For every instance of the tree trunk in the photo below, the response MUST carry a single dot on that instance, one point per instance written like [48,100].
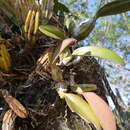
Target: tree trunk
[46,110]
[35,89]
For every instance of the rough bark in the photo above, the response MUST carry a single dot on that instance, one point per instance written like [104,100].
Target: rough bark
[36,90]
[46,110]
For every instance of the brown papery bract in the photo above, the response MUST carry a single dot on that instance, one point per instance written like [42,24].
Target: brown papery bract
[101,110]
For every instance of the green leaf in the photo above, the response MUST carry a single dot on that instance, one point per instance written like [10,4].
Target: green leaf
[31,1]
[52,31]
[82,108]
[60,6]
[82,28]
[99,52]
[85,29]
[63,7]
[114,7]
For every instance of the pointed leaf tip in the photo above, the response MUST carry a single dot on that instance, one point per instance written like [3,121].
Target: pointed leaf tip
[82,108]
[62,47]
[101,110]
[52,31]
[114,7]
[98,52]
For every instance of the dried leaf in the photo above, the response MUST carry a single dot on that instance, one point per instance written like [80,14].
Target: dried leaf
[43,62]
[101,110]
[8,120]
[62,47]
[43,58]
[27,21]
[5,42]
[56,73]
[82,108]
[5,59]
[36,24]
[15,105]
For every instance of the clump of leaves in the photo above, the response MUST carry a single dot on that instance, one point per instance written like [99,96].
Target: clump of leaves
[31,17]
[86,109]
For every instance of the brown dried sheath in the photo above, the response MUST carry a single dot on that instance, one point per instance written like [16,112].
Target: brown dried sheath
[27,21]
[36,21]
[8,120]
[15,105]
[32,20]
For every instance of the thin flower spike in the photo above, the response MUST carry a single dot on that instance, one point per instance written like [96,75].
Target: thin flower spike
[31,24]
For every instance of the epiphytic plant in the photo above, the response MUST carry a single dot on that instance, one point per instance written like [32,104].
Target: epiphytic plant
[39,12]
